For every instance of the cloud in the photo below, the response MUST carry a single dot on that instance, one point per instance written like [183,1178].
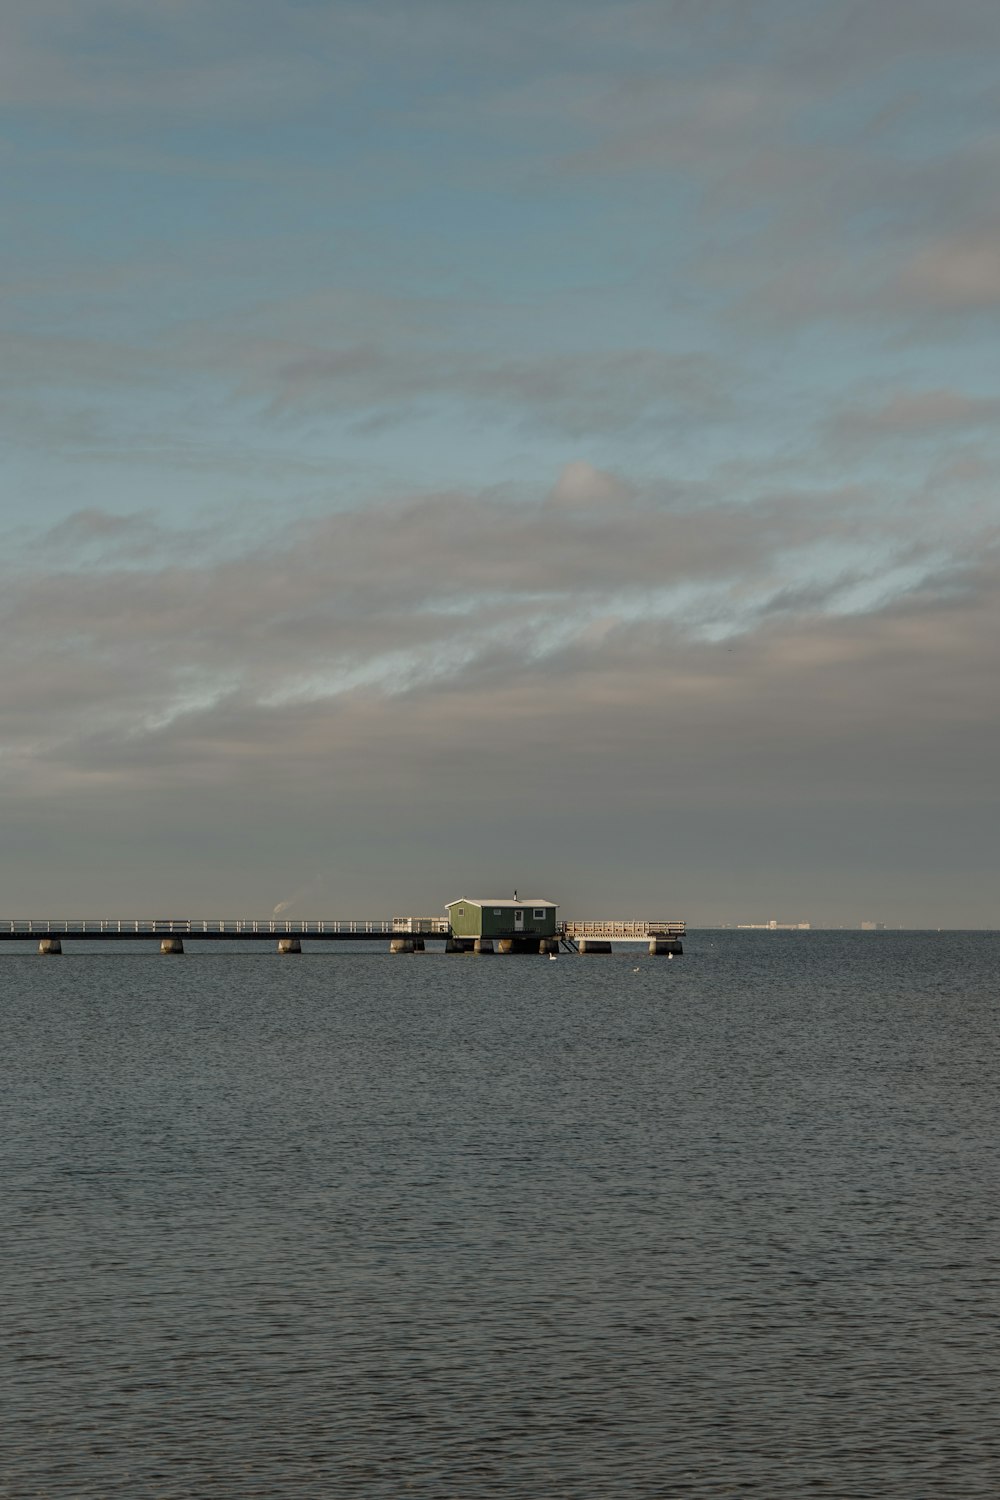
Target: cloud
[399,684]
[103,57]
[581,485]
[918,413]
[590,391]
[958,273]
[123,660]
[104,394]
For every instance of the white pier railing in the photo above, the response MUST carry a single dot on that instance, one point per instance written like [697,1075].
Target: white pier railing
[625,932]
[181,926]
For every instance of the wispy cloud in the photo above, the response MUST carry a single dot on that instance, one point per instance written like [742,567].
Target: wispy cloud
[599,588]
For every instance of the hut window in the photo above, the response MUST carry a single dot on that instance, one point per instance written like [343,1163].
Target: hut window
[539,911]
[498,911]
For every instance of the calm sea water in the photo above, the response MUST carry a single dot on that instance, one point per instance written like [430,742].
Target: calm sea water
[350,1224]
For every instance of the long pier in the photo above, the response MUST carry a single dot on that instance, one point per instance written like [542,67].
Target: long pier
[403,934]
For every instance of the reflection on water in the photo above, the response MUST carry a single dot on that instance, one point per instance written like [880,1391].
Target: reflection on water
[452,1227]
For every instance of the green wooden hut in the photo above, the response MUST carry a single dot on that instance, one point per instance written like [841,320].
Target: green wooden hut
[496,917]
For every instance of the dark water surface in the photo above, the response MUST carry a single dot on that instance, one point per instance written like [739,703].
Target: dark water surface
[348,1224]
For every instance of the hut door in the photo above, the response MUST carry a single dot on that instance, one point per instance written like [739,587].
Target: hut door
[518,919]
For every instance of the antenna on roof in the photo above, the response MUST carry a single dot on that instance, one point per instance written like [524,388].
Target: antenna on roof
[515,895]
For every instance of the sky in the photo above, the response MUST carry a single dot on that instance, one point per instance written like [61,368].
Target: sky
[450,446]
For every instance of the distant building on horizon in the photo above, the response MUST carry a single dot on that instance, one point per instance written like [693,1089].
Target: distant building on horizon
[873,927]
[773,926]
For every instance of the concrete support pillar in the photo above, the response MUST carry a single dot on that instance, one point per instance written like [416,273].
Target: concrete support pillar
[454,945]
[419,946]
[49,945]
[483,945]
[401,945]
[171,945]
[289,945]
[658,946]
[506,945]
[548,945]
[595,945]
